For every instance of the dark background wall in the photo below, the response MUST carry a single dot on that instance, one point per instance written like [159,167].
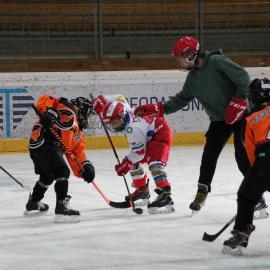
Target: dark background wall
[115,35]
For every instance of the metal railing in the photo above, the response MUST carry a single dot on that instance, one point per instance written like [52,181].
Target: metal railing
[131,29]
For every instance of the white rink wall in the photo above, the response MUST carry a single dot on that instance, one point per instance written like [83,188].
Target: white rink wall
[19,90]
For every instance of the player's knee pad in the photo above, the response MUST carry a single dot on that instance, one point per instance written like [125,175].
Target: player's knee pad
[246,203]
[248,191]
[63,172]
[138,176]
[157,171]
[46,180]
[61,182]
[61,187]
[137,170]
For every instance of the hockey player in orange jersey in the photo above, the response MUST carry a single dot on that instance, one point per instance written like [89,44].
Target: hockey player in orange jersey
[68,118]
[257,180]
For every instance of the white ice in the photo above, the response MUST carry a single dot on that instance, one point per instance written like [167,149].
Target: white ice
[109,238]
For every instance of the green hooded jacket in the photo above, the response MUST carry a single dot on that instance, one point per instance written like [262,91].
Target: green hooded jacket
[214,84]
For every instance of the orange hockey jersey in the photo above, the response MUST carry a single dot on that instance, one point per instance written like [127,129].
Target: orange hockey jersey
[257,131]
[67,127]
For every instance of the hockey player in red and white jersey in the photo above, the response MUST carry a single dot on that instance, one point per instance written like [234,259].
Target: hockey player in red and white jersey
[150,141]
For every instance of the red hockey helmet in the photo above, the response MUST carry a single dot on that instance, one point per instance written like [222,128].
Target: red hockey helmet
[115,115]
[185,46]
[113,110]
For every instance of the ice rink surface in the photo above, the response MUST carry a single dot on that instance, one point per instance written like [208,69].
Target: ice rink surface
[109,238]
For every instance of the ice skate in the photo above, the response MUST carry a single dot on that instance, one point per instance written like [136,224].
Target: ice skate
[238,241]
[140,196]
[163,203]
[261,209]
[35,207]
[200,198]
[64,213]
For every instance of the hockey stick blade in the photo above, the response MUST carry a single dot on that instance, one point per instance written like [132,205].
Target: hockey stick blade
[26,187]
[138,211]
[212,237]
[124,204]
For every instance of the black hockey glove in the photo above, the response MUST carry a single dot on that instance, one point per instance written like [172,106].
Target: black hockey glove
[89,171]
[49,118]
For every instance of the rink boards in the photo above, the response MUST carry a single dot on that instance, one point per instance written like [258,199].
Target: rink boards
[19,91]
[101,142]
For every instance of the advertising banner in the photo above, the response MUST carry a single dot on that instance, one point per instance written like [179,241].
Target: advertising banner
[19,91]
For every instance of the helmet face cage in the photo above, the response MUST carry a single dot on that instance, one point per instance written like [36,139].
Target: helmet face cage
[120,126]
[85,109]
[259,92]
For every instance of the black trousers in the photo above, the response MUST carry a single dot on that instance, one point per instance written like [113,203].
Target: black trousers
[50,165]
[256,182]
[216,137]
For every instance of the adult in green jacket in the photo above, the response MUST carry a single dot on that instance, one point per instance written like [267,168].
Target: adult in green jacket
[221,87]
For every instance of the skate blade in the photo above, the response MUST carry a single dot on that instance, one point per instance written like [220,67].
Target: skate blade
[66,219]
[34,213]
[161,210]
[261,214]
[238,251]
[142,202]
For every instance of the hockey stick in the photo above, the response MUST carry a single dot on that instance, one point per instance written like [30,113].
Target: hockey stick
[74,158]
[16,180]
[212,237]
[138,211]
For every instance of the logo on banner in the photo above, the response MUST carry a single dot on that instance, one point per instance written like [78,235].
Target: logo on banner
[14,105]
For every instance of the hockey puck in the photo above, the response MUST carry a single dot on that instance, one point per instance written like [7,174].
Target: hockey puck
[138,211]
